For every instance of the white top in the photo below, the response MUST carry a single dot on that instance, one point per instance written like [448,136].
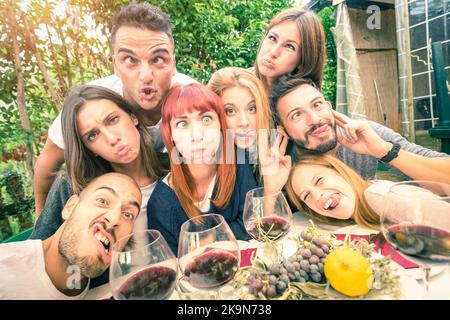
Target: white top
[23,275]
[114,83]
[141,222]
[205,204]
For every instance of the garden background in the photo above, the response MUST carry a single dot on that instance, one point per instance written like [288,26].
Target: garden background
[49,46]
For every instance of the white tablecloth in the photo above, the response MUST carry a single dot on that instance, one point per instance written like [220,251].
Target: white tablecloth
[439,281]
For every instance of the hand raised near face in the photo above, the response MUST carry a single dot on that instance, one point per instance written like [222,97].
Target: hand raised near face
[275,165]
[359,137]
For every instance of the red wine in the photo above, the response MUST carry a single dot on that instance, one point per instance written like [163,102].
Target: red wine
[272,228]
[421,240]
[211,269]
[153,283]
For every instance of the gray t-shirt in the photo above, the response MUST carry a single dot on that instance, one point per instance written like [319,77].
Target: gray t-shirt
[367,165]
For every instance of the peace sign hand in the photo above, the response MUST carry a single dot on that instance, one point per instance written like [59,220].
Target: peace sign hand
[275,165]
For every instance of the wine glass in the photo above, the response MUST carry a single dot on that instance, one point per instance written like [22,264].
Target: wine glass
[267,218]
[143,267]
[208,253]
[416,222]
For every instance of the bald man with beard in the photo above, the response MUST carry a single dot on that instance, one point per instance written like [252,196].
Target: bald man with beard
[60,267]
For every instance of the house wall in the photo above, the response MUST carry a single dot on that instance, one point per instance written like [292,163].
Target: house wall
[377,56]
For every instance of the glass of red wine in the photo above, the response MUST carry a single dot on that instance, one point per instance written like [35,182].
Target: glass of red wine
[267,219]
[416,222]
[208,254]
[143,267]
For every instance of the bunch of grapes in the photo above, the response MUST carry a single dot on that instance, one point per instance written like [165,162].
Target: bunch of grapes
[311,256]
[306,265]
[274,281]
[262,283]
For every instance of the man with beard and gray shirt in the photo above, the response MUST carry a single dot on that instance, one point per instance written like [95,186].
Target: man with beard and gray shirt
[313,126]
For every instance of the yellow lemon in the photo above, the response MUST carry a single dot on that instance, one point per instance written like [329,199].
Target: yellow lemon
[348,272]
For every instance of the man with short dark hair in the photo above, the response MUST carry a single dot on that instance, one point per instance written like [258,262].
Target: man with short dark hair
[311,124]
[145,69]
[60,267]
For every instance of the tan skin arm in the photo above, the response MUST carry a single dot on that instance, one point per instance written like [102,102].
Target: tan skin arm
[362,139]
[423,168]
[48,162]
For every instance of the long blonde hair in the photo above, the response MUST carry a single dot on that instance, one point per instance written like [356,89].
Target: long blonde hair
[363,214]
[231,77]
[312,44]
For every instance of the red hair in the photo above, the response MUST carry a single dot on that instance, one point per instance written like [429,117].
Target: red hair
[187,99]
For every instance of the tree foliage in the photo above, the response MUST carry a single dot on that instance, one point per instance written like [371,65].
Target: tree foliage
[71,37]
[326,15]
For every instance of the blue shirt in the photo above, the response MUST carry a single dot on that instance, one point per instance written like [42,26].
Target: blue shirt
[166,214]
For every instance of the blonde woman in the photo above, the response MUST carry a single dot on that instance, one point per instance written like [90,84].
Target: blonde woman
[247,111]
[330,191]
[327,189]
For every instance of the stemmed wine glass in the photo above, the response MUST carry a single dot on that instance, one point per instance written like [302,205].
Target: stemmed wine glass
[267,218]
[143,267]
[208,253]
[416,222]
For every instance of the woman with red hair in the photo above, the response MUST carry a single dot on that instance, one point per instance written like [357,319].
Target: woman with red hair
[204,177]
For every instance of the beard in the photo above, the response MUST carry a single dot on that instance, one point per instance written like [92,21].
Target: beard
[68,247]
[321,148]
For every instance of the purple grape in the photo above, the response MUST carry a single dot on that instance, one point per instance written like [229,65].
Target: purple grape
[320,265]
[304,264]
[316,277]
[313,268]
[271,291]
[305,236]
[316,241]
[314,259]
[284,278]
[290,268]
[281,286]
[306,253]
[274,269]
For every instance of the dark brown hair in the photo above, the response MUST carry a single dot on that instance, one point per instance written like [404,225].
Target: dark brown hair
[82,165]
[312,44]
[142,16]
[284,85]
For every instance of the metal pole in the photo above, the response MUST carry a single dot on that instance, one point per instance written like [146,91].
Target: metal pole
[412,129]
[440,79]
[442,130]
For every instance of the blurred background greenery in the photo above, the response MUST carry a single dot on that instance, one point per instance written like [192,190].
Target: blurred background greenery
[66,43]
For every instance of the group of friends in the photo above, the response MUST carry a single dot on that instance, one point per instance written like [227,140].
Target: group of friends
[150,148]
